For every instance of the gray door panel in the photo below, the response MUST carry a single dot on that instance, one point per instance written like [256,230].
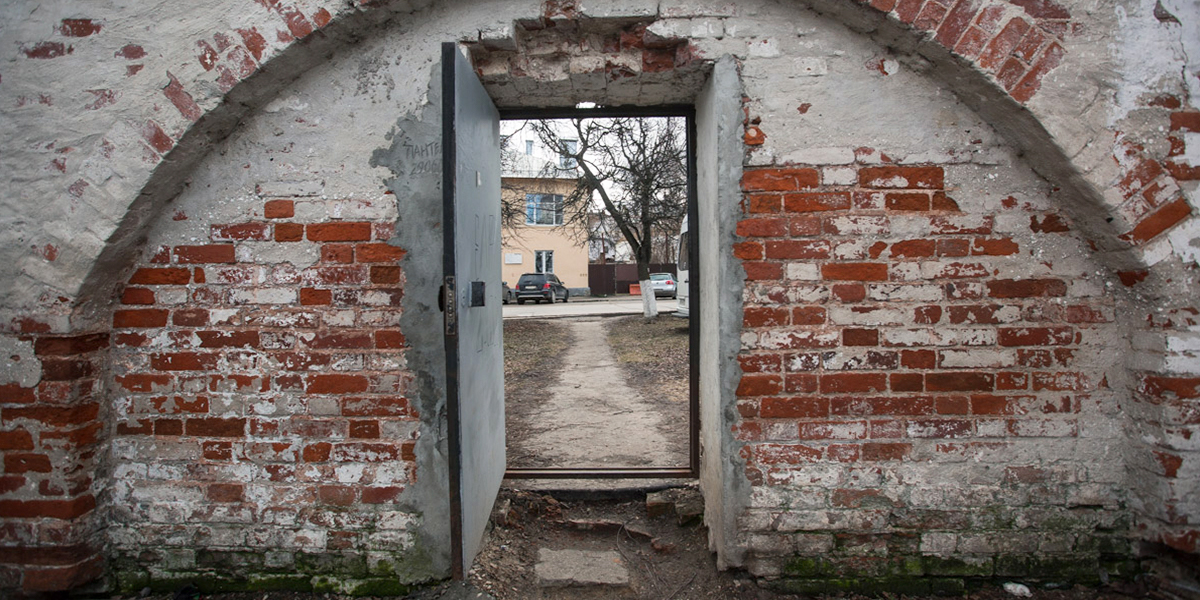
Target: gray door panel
[474,352]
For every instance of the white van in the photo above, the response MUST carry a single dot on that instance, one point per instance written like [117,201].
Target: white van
[681,271]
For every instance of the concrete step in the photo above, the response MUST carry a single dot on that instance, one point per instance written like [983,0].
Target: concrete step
[580,568]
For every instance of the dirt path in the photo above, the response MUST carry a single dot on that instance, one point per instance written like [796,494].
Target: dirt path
[590,416]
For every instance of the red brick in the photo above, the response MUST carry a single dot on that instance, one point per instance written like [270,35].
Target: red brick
[748,251]
[764,203]
[16,463]
[953,248]
[216,427]
[792,408]
[364,429]
[760,385]
[913,249]
[760,271]
[960,382]
[907,201]
[389,339]
[289,232]
[808,315]
[12,393]
[927,315]
[849,293]
[70,345]
[239,232]
[971,43]
[764,316]
[211,253]
[318,452]
[1159,221]
[164,276]
[907,10]
[228,339]
[762,227]
[854,271]
[368,253]
[54,509]
[891,177]
[325,340]
[1032,81]
[1009,380]
[860,337]
[907,382]
[338,232]
[173,427]
[315,297]
[804,225]
[190,317]
[1026,288]
[380,495]
[279,209]
[338,495]
[1011,73]
[224,492]
[337,253]
[16,439]
[772,454]
[802,203]
[376,406]
[337,384]
[756,363]
[956,22]
[994,247]
[1003,44]
[834,383]
[152,317]
[384,275]
[1164,387]
[874,451]
[779,180]
[930,16]
[137,296]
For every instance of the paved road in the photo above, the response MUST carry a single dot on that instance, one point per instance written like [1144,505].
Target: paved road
[580,307]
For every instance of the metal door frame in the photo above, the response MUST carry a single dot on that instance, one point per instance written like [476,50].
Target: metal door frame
[692,471]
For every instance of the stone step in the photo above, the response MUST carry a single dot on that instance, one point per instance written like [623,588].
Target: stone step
[580,568]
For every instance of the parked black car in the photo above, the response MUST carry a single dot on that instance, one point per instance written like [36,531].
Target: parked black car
[509,293]
[541,286]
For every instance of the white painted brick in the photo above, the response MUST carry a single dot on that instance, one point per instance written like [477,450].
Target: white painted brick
[763,47]
[911,293]
[941,544]
[802,271]
[981,336]
[978,358]
[380,209]
[869,315]
[339,318]
[906,337]
[841,176]
[822,156]
[313,211]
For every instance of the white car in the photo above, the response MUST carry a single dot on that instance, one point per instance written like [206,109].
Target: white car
[663,284]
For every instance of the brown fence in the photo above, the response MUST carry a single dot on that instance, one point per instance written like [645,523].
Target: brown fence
[606,280]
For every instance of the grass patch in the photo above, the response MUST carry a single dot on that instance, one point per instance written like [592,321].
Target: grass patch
[654,354]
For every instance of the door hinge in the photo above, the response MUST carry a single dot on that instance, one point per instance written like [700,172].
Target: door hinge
[449,300]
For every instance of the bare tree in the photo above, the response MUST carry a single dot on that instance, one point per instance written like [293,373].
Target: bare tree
[636,169]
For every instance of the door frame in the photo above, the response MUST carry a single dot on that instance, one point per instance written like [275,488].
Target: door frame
[692,470]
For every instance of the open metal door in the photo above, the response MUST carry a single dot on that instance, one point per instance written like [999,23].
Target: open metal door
[472,297]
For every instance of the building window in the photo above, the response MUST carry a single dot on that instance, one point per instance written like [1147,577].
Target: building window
[543,209]
[529,147]
[568,162]
[543,261]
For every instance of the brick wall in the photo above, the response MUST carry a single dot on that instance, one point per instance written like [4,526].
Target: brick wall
[263,403]
[924,393]
[50,440]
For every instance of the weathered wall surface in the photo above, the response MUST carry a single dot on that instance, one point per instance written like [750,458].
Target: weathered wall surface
[967,234]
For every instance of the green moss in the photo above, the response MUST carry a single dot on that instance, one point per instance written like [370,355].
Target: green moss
[936,565]
[803,566]
[273,583]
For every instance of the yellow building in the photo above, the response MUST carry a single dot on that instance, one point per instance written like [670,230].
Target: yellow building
[543,243]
